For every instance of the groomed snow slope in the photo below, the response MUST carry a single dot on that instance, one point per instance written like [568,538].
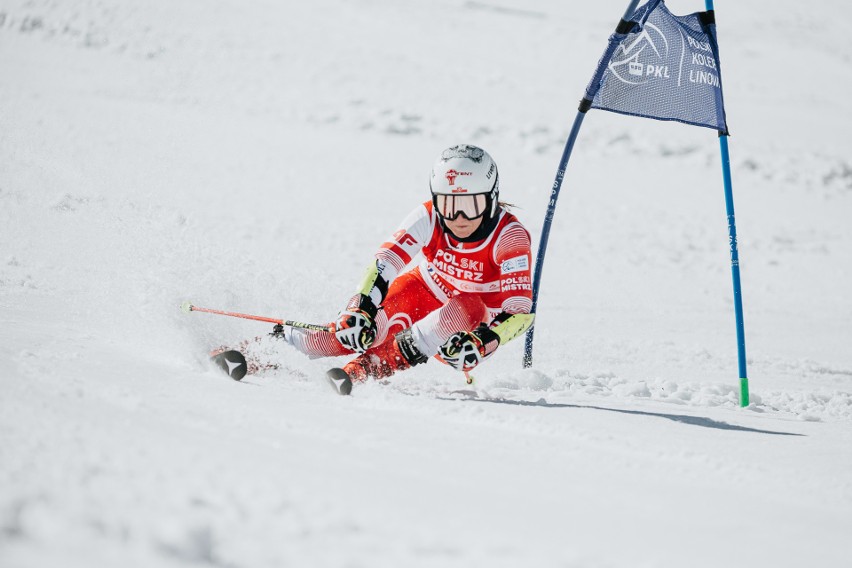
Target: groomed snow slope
[251,156]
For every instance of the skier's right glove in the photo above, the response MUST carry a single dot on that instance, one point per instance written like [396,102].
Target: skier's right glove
[466,349]
[355,327]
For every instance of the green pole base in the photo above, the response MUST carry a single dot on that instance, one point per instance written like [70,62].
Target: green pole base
[743,392]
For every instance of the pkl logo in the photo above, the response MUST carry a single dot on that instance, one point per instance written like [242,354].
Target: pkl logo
[645,57]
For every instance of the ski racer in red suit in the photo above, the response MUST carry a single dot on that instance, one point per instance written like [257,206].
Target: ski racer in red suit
[471,293]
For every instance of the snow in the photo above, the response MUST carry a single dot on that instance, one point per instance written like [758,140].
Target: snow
[251,156]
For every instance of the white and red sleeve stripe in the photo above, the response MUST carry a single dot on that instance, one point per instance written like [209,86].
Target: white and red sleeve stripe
[517,305]
[513,241]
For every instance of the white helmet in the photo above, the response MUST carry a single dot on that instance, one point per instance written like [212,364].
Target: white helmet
[465,182]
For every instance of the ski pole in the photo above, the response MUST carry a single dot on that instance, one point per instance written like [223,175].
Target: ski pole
[187,307]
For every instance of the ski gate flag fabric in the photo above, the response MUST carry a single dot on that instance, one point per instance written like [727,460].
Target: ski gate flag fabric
[664,67]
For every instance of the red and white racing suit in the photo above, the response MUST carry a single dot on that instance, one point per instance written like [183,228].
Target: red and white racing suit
[453,288]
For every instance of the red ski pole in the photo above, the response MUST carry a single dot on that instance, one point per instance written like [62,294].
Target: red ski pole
[188,307]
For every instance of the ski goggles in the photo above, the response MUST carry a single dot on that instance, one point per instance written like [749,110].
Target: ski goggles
[469,206]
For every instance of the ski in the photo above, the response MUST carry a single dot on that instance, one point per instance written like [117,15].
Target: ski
[339,381]
[256,359]
[233,363]
[237,366]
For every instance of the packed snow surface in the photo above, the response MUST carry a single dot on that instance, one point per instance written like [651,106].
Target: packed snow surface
[251,156]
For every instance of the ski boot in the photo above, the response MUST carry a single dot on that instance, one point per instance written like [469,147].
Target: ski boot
[379,362]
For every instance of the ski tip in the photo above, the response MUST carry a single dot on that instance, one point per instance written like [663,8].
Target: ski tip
[186,307]
[233,363]
[340,381]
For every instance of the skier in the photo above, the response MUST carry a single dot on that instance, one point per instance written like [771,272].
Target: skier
[471,293]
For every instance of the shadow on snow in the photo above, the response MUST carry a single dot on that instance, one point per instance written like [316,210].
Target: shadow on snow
[691,420]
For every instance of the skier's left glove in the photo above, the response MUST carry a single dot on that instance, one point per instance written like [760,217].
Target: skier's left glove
[466,349]
[355,327]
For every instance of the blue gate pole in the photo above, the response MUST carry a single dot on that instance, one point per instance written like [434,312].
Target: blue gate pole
[735,258]
[545,230]
[735,268]
[585,104]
